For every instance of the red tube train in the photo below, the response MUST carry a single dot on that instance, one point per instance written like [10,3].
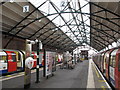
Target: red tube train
[109,64]
[14,60]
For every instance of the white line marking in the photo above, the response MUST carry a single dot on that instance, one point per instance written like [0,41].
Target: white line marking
[90,82]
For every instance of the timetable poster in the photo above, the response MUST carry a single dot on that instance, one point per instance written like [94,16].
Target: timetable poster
[49,61]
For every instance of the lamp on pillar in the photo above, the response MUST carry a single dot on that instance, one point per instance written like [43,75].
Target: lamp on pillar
[39,48]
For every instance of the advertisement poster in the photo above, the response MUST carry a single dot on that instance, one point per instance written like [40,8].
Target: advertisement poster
[50,56]
[40,58]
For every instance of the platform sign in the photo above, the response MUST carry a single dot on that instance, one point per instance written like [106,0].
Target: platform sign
[49,62]
[26,8]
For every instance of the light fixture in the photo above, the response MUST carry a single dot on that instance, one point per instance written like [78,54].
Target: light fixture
[11,1]
[36,40]
[39,20]
[56,28]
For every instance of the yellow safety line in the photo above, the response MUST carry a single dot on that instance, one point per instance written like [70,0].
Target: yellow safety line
[96,72]
[8,75]
[103,88]
[102,80]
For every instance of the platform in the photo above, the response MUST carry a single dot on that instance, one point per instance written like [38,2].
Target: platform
[84,75]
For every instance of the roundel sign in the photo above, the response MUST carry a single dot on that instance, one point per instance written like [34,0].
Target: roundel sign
[29,62]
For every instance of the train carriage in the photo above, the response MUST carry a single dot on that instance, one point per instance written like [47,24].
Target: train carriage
[14,60]
[114,68]
[109,64]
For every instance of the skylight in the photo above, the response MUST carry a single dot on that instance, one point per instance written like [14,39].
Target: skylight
[66,14]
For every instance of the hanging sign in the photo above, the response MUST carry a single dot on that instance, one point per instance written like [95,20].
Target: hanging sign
[26,8]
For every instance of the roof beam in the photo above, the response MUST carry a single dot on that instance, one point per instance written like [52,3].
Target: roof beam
[26,17]
[75,21]
[104,25]
[63,20]
[104,9]
[82,17]
[104,33]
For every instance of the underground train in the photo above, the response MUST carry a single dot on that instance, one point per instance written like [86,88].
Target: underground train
[14,60]
[109,64]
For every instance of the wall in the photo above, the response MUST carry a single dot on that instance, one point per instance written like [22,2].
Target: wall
[16,43]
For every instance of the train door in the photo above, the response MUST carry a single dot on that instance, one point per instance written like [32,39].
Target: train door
[22,53]
[102,58]
[99,60]
[107,63]
[12,64]
[112,67]
[21,58]
[104,63]
[117,70]
[18,60]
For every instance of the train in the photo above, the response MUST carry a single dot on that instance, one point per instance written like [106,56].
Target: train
[108,63]
[13,61]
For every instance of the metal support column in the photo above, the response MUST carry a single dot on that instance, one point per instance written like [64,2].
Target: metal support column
[44,67]
[37,68]
[39,48]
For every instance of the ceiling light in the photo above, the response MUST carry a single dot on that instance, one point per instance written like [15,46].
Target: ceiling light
[39,20]
[11,1]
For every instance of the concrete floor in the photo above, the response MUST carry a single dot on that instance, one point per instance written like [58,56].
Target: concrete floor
[78,77]
[63,78]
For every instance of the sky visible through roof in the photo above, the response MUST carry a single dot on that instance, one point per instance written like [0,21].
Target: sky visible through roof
[76,35]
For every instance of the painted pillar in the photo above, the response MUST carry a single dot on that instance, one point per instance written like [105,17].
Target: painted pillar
[27,75]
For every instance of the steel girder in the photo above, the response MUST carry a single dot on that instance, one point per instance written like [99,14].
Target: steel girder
[64,20]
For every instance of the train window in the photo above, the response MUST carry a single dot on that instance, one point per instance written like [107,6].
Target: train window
[111,61]
[114,61]
[13,57]
[3,59]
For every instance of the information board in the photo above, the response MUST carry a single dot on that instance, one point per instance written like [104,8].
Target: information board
[49,62]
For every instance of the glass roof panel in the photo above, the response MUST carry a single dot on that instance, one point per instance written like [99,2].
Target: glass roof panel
[67,16]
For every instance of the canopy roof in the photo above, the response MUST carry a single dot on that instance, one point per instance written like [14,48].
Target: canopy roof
[68,32]
[105,23]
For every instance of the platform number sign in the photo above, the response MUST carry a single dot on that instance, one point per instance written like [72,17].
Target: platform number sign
[26,8]
[63,3]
